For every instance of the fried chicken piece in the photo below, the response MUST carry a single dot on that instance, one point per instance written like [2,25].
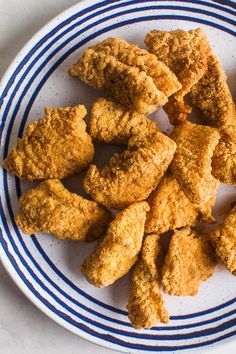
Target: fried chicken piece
[224,159]
[118,250]
[224,241]
[112,123]
[52,209]
[185,53]
[190,260]
[127,85]
[130,54]
[146,305]
[56,146]
[170,208]
[177,110]
[131,176]
[212,96]
[191,165]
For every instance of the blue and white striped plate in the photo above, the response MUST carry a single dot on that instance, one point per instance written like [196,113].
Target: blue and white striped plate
[47,270]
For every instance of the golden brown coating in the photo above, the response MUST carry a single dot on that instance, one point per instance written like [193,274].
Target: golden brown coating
[224,241]
[118,250]
[131,176]
[146,305]
[177,110]
[185,53]
[112,123]
[170,208]
[212,96]
[56,146]
[191,164]
[127,85]
[130,54]
[52,209]
[224,159]
[190,260]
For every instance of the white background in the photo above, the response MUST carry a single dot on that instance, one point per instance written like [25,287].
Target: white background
[23,328]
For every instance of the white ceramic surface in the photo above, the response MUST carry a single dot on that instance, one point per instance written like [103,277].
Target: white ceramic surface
[46,269]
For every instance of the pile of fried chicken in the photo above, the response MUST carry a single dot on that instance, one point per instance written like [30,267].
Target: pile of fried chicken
[158,184]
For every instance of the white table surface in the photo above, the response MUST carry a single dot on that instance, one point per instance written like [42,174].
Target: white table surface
[23,328]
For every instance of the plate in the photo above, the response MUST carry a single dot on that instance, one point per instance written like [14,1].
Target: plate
[48,270]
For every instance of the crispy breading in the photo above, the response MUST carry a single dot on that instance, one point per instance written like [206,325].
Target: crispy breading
[190,260]
[112,123]
[177,110]
[185,53]
[131,176]
[56,146]
[191,164]
[224,159]
[52,209]
[170,208]
[127,85]
[118,250]
[224,241]
[212,96]
[130,54]
[146,306]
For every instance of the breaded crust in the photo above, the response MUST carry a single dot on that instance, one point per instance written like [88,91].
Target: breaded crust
[185,53]
[112,123]
[170,208]
[224,241]
[130,54]
[56,146]
[52,209]
[224,159]
[131,176]
[190,260]
[127,85]
[212,96]
[146,305]
[118,250]
[191,164]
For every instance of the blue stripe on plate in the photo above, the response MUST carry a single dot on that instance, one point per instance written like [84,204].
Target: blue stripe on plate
[202,3]
[226,3]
